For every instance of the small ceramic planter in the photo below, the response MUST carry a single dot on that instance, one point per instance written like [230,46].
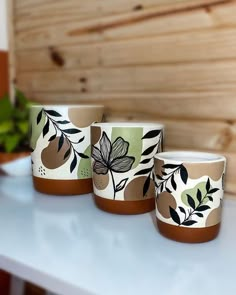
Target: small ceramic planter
[189,195]
[61,147]
[122,164]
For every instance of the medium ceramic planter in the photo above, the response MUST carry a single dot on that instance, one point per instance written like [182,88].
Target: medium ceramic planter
[189,195]
[122,163]
[61,147]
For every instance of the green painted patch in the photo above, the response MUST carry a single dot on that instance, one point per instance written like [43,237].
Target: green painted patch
[36,129]
[133,136]
[193,193]
[84,170]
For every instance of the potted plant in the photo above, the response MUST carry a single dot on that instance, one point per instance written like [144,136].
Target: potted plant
[14,134]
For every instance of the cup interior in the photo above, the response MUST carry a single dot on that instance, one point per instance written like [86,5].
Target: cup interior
[129,124]
[190,157]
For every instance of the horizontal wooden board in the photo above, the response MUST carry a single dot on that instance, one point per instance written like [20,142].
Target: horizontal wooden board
[185,105]
[40,13]
[215,76]
[204,46]
[133,24]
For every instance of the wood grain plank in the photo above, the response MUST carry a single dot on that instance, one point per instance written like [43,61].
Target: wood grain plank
[215,76]
[182,134]
[131,25]
[184,47]
[185,105]
[51,12]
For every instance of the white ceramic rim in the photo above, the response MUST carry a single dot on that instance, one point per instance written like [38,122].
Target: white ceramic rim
[190,157]
[67,105]
[129,124]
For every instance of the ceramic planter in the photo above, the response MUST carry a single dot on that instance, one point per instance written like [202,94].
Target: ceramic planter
[61,147]
[122,164]
[189,195]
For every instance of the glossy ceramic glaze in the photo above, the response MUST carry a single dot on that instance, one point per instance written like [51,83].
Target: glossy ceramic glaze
[122,165]
[61,149]
[190,188]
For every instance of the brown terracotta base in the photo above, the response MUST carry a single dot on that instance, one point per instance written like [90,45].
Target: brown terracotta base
[125,207]
[188,235]
[63,187]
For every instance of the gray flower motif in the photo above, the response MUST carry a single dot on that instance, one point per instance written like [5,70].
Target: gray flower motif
[112,157]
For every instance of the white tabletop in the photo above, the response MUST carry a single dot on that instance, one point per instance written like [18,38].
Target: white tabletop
[68,246]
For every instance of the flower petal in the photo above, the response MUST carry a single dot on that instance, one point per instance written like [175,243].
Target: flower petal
[96,154]
[99,168]
[122,164]
[119,148]
[105,147]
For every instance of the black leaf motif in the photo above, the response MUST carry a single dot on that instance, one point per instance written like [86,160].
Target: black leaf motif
[199,195]
[199,214]
[63,122]
[184,174]
[73,164]
[203,208]
[168,190]
[181,209]
[213,190]
[164,173]
[208,185]
[145,161]
[174,215]
[144,171]
[151,134]
[39,117]
[149,150]
[71,131]
[67,153]
[159,177]
[121,184]
[170,166]
[173,183]
[83,156]
[53,113]
[81,139]
[210,198]
[189,222]
[162,187]
[60,143]
[52,137]
[46,128]
[191,202]
[146,185]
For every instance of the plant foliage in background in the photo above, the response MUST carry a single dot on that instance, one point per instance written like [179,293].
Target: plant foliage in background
[14,123]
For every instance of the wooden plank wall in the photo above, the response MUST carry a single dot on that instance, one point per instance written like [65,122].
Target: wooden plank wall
[172,61]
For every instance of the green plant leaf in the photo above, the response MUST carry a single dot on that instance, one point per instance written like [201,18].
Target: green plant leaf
[6,127]
[11,142]
[23,126]
[6,109]
[21,98]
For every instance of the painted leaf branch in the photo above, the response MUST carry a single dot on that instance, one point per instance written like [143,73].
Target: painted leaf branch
[63,133]
[196,208]
[166,181]
[149,152]
[112,157]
